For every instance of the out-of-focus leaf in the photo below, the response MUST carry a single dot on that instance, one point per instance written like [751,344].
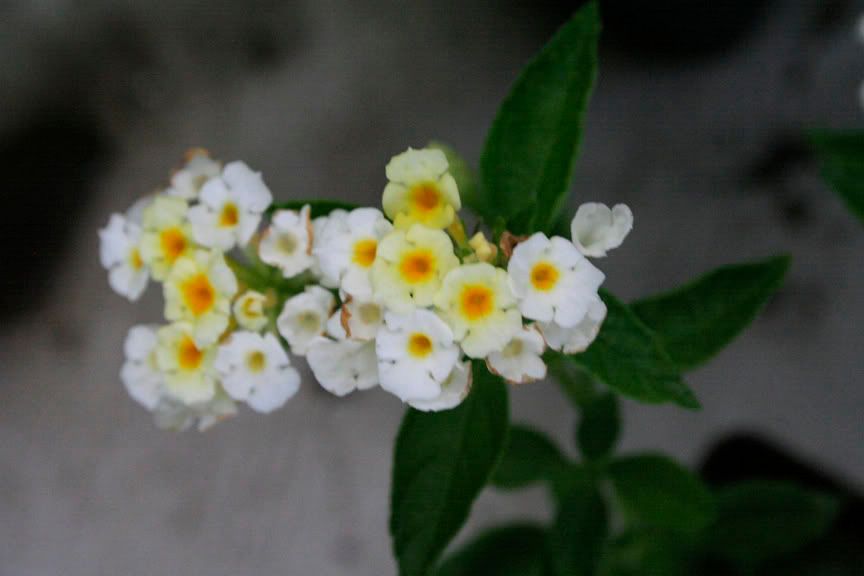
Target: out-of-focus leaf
[699,319]
[760,521]
[656,492]
[530,457]
[842,156]
[442,461]
[581,525]
[531,149]
[599,427]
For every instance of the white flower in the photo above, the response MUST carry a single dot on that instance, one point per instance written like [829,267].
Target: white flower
[190,377]
[345,254]
[166,235]
[421,190]
[256,370]
[199,168]
[199,291]
[287,243]
[323,228]
[120,254]
[230,208]
[342,366]
[552,280]
[453,390]
[596,229]
[140,373]
[250,310]
[478,304]
[578,338]
[361,319]
[304,317]
[416,353]
[520,360]
[410,266]
[173,415]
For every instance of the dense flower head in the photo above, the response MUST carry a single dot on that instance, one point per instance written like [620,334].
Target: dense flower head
[400,298]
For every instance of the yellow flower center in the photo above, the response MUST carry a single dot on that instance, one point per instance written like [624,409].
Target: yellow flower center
[286,243]
[173,243]
[417,266]
[544,276]
[189,357]
[425,197]
[135,260]
[198,294]
[309,321]
[229,216]
[369,313]
[364,252]
[513,349]
[419,345]
[477,301]
[256,361]
[252,307]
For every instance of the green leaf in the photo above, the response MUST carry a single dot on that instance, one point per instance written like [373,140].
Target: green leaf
[759,521]
[530,457]
[699,319]
[516,550]
[528,159]
[442,461]
[646,552]
[629,358]
[581,525]
[656,492]
[461,171]
[842,156]
[316,207]
[599,427]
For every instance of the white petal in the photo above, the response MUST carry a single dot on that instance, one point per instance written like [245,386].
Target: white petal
[454,390]
[595,228]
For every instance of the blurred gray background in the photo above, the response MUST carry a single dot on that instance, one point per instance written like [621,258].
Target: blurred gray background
[696,123]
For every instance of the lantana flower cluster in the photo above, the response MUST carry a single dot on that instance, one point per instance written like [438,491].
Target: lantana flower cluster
[399,298]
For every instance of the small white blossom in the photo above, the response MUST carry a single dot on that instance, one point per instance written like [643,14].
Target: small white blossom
[120,254]
[199,291]
[255,369]
[140,373]
[453,390]
[596,229]
[323,228]
[199,168]
[250,310]
[360,318]
[345,253]
[230,208]
[420,190]
[304,317]
[173,415]
[342,366]
[190,377]
[577,338]
[416,353]
[410,267]
[520,360]
[552,280]
[166,235]
[478,304]
[287,242]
